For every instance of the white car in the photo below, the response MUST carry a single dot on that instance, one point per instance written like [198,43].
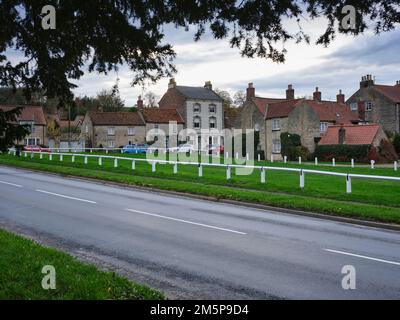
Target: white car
[184,148]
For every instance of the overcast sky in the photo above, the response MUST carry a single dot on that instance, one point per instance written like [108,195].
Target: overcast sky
[340,66]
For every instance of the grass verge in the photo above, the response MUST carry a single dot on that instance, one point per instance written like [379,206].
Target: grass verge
[21,275]
[346,206]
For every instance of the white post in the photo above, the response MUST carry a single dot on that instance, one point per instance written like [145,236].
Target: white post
[333,162]
[272,158]
[258,157]
[100,161]
[25,154]
[91,150]
[316,161]
[15,152]
[175,167]
[299,160]
[228,172]
[352,163]
[237,155]
[262,175]
[133,164]
[61,157]
[50,157]
[372,164]
[301,179]
[115,163]
[32,154]
[106,151]
[85,160]
[153,166]
[247,156]
[73,158]
[200,170]
[227,155]
[122,151]
[395,166]
[348,184]
[284,159]
[41,156]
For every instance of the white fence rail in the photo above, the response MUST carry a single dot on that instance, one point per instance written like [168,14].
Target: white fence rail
[263,169]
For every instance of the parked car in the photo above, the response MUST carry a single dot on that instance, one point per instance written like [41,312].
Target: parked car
[184,148]
[215,149]
[36,148]
[135,148]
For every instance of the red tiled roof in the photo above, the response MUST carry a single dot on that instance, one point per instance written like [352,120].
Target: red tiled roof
[329,111]
[354,134]
[164,115]
[116,118]
[29,113]
[391,92]
[262,103]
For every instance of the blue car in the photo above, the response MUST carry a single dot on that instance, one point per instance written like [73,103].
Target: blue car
[135,148]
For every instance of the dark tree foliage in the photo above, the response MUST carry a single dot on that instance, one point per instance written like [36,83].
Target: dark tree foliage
[10,130]
[104,34]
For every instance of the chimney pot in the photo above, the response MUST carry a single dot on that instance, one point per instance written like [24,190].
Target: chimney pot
[317,95]
[340,98]
[250,91]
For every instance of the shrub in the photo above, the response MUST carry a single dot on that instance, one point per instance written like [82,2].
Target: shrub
[396,143]
[342,152]
[292,148]
[387,152]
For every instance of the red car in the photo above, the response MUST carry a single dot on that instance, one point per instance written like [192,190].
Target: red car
[36,148]
[215,149]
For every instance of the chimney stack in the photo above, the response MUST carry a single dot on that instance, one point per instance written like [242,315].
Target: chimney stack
[398,83]
[317,95]
[340,98]
[208,85]
[139,103]
[367,81]
[290,92]
[250,91]
[342,135]
[172,83]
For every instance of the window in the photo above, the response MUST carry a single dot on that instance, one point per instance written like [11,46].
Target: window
[276,146]
[276,124]
[111,144]
[196,108]
[213,122]
[111,131]
[368,106]
[323,126]
[131,131]
[354,106]
[212,108]
[196,122]
[32,141]
[29,125]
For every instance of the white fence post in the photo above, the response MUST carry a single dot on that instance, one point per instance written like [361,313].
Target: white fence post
[226,155]
[153,166]
[237,155]
[115,163]
[73,158]
[86,160]
[50,157]
[262,175]
[316,161]
[41,156]
[15,152]
[228,172]
[175,167]
[106,151]
[133,164]
[91,150]
[348,184]
[299,160]
[333,162]
[25,154]
[100,161]
[352,163]
[272,158]
[395,166]
[258,157]
[372,164]
[301,179]
[284,159]
[200,170]
[61,157]
[247,156]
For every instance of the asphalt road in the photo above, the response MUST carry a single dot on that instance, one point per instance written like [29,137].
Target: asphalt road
[201,249]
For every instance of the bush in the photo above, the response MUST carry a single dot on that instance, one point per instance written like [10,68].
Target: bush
[387,152]
[342,152]
[396,143]
[292,148]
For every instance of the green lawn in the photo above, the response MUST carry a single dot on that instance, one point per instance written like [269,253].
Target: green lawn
[371,199]
[21,263]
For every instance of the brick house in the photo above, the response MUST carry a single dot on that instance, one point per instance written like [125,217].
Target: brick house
[160,119]
[371,134]
[308,118]
[254,109]
[378,103]
[200,107]
[112,129]
[34,117]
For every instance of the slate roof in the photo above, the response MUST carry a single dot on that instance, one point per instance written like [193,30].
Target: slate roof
[116,118]
[354,134]
[199,93]
[164,115]
[391,92]
[29,113]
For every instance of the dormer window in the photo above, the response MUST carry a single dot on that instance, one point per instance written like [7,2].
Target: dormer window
[212,108]
[196,108]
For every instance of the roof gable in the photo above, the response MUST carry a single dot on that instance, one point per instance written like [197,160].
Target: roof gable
[29,113]
[261,103]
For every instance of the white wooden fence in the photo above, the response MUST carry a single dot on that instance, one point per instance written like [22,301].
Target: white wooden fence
[262,169]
